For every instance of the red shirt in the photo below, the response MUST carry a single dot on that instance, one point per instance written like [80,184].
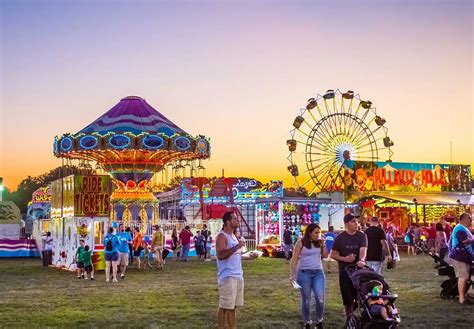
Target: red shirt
[447,230]
[431,233]
[185,236]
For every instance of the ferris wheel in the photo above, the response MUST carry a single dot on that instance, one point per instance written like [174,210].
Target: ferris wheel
[334,128]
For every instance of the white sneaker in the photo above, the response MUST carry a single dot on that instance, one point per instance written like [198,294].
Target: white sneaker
[114,280]
[107,280]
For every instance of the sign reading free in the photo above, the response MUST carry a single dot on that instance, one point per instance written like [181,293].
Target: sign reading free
[92,196]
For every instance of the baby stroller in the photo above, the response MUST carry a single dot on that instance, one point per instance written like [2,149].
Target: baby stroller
[371,311]
[449,287]
[421,247]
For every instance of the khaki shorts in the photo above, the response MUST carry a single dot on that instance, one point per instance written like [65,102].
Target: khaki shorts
[231,293]
[122,259]
[461,269]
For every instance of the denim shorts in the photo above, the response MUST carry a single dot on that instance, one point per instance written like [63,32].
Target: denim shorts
[111,257]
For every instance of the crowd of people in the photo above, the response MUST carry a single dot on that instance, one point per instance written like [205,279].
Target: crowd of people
[368,247]
[432,238]
[311,256]
[122,248]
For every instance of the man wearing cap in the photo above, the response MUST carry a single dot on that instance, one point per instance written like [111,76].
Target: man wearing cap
[377,246]
[350,247]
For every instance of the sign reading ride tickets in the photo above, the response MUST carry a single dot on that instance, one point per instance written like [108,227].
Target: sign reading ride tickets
[92,196]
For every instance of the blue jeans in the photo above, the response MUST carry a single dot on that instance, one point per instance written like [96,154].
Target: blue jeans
[376,266]
[312,280]
[184,251]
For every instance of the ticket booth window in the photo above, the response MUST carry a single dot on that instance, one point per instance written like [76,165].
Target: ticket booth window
[98,233]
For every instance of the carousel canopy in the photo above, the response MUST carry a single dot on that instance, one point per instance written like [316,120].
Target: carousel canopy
[133,114]
[132,141]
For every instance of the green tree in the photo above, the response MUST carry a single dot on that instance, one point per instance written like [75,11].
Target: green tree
[27,186]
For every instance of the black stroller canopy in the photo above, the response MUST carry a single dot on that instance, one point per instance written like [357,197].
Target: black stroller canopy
[361,276]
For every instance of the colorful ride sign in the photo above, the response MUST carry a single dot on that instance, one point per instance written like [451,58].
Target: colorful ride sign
[81,196]
[366,177]
[91,196]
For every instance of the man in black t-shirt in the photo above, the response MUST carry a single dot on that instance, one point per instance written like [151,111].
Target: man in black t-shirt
[377,246]
[350,247]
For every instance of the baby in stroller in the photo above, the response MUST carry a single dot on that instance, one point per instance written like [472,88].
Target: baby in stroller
[376,303]
[378,307]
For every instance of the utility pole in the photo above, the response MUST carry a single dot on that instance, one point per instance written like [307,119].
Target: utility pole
[451,151]
[1,189]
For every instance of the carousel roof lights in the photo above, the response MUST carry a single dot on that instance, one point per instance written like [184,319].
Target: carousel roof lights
[132,140]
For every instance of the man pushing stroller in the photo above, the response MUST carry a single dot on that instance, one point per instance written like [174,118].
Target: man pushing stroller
[360,285]
[350,247]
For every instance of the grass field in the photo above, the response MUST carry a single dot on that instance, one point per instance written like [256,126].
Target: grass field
[184,295]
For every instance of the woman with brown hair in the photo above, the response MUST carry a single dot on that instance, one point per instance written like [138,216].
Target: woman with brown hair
[307,272]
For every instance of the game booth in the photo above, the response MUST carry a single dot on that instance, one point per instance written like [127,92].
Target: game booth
[201,200]
[404,193]
[273,214]
[80,207]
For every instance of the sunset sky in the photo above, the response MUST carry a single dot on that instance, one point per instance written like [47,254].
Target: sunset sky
[235,71]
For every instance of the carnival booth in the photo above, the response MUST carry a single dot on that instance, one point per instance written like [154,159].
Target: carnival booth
[273,214]
[80,207]
[404,193]
[201,201]
[39,211]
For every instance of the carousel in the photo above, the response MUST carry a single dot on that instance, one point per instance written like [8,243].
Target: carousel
[129,144]
[132,142]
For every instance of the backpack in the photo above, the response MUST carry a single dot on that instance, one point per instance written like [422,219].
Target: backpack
[109,246]
[406,238]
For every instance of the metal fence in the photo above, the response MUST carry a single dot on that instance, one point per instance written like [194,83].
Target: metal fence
[251,244]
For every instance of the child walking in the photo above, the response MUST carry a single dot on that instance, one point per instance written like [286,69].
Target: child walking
[78,259]
[87,259]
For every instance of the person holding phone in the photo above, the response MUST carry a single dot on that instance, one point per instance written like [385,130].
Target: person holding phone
[307,271]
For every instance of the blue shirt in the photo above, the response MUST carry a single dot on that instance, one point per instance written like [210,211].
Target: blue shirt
[124,239]
[115,243]
[459,251]
[330,237]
